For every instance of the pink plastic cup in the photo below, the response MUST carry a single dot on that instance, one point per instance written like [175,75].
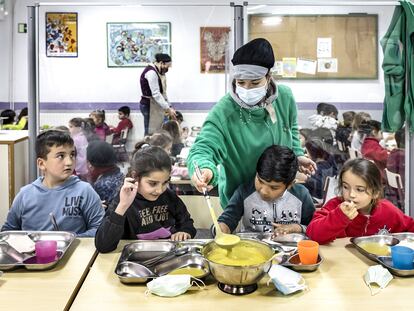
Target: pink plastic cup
[46,251]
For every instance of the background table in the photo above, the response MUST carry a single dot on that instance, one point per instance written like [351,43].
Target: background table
[337,285]
[53,289]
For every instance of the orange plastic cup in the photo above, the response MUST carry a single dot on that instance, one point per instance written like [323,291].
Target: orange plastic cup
[308,252]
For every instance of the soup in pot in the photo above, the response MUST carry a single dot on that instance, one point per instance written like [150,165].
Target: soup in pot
[245,253]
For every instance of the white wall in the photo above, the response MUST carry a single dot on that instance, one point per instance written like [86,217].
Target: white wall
[5,53]
[87,78]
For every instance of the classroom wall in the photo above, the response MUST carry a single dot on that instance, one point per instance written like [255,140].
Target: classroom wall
[5,53]
[85,83]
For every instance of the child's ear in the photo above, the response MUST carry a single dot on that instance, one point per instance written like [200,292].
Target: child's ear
[41,164]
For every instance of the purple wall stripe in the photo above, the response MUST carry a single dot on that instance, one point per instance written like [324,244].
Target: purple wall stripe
[182,106]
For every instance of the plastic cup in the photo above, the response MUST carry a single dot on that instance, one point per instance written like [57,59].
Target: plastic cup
[308,252]
[46,251]
[402,257]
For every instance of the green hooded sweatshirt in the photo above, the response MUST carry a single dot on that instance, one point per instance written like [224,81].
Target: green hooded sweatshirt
[233,138]
[396,44]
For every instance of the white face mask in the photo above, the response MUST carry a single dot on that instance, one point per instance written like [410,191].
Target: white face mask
[171,285]
[251,96]
[378,275]
[286,280]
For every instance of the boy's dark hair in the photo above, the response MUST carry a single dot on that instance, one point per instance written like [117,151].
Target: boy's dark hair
[50,138]
[366,170]
[328,109]
[125,110]
[320,108]
[277,163]
[348,117]
[400,138]
[368,127]
[9,114]
[160,57]
[151,159]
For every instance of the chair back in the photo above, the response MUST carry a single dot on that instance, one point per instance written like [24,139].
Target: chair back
[394,180]
[354,153]
[329,188]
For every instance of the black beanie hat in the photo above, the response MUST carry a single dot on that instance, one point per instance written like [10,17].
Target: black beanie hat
[160,57]
[256,52]
[100,154]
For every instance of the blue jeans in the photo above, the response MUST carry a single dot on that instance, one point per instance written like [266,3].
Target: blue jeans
[145,110]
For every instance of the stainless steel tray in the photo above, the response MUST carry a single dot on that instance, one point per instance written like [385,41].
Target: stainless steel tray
[381,239]
[11,259]
[404,236]
[294,263]
[130,271]
[386,261]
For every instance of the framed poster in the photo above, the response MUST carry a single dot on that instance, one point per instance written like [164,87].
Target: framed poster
[61,34]
[135,44]
[214,42]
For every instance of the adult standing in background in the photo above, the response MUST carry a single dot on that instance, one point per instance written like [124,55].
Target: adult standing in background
[255,114]
[154,102]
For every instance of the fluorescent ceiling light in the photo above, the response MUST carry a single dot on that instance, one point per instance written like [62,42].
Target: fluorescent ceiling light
[272,21]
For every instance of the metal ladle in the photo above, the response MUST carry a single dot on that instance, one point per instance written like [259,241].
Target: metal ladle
[224,240]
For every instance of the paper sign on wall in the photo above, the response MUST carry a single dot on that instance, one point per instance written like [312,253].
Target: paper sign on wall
[289,67]
[306,66]
[328,65]
[278,68]
[324,47]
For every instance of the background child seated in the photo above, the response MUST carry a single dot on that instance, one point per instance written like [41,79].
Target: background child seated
[74,203]
[344,129]
[145,208]
[271,202]
[76,126]
[173,128]
[7,116]
[371,148]
[124,123]
[360,209]
[321,154]
[21,122]
[105,176]
[101,128]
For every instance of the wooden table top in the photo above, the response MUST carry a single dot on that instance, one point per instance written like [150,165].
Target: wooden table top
[337,285]
[53,289]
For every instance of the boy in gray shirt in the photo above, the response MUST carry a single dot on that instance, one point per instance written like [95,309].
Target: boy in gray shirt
[272,202]
[74,203]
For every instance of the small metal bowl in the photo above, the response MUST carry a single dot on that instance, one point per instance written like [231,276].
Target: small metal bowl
[131,272]
[294,263]
[191,260]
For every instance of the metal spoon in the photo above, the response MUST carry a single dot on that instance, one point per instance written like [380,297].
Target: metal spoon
[53,221]
[175,252]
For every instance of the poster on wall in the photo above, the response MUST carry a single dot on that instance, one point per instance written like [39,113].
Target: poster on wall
[214,42]
[135,44]
[61,34]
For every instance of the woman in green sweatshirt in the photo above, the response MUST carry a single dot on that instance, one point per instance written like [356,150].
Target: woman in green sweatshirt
[255,114]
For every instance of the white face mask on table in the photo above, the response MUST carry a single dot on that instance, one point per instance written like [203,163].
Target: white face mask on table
[251,96]
[171,285]
[377,275]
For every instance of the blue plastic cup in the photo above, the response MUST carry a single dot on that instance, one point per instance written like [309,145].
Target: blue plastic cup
[402,257]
